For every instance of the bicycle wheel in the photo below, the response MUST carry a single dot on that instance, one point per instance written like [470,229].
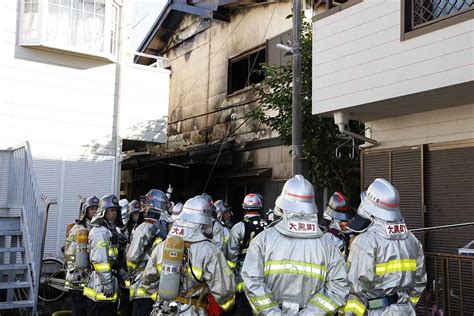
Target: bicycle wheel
[53,273]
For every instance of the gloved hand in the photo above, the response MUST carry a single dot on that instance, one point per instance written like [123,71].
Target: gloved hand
[109,290]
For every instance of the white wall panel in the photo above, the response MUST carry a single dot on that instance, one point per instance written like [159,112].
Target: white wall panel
[358,57]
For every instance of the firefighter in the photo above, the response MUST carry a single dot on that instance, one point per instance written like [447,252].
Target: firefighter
[145,237]
[224,213]
[131,219]
[291,267]
[386,263]
[218,233]
[340,215]
[102,288]
[241,235]
[76,278]
[206,279]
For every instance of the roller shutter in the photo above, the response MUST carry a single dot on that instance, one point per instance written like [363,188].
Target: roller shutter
[403,168]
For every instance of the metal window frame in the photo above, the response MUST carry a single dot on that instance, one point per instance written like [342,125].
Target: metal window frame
[242,55]
[407,32]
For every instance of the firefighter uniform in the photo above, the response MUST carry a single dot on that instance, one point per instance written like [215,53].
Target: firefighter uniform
[386,263]
[241,235]
[103,286]
[206,276]
[76,278]
[144,238]
[291,267]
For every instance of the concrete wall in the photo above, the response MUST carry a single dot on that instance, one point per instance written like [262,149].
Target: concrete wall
[358,57]
[438,126]
[199,108]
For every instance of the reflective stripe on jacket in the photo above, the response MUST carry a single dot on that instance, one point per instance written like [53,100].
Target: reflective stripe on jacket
[291,275]
[382,265]
[102,257]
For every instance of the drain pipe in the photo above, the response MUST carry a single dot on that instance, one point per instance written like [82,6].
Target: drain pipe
[342,119]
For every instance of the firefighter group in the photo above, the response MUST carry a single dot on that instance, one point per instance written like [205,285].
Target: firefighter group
[166,258]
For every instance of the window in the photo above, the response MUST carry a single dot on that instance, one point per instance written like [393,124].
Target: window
[423,16]
[84,26]
[244,70]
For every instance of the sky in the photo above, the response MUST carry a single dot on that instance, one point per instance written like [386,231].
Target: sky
[145,13]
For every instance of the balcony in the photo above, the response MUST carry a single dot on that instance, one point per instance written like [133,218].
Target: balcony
[85,27]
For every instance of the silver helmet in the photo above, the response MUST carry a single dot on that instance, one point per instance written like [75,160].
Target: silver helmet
[297,196]
[107,202]
[382,201]
[92,201]
[156,201]
[252,201]
[176,210]
[197,211]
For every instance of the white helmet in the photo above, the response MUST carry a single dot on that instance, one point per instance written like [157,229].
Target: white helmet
[382,201]
[176,210]
[297,196]
[197,211]
[252,201]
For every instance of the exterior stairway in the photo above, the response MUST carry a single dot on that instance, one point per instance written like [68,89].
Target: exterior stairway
[16,288]
[21,232]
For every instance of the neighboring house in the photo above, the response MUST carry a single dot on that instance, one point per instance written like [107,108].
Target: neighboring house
[213,52]
[406,68]
[69,88]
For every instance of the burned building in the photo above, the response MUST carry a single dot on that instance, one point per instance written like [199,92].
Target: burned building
[214,52]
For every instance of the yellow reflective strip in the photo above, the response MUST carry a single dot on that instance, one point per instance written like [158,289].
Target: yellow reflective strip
[90,293]
[197,272]
[154,296]
[415,299]
[127,283]
[296,268]
[297,263]
[102,244]
[324,302]
[158,267]
[354,306]
[140,292]
[239,287]
[231,264]
[113,252]
[395,265]
[131,265]
[157,241]
[227,305]
[260,303]
[101,267]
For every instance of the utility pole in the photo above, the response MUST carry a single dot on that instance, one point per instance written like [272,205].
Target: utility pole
[296,133]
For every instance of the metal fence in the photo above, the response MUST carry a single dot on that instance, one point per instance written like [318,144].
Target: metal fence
[427,11]
[450,288]
[23,195]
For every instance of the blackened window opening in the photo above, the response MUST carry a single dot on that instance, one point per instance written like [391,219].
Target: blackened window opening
[244,71]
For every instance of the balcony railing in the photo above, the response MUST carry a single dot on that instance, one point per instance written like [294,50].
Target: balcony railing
[425,12]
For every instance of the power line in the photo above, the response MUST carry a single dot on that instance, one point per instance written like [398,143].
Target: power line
[241,97]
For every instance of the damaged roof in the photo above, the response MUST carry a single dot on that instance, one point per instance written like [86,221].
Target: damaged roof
[157,39]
